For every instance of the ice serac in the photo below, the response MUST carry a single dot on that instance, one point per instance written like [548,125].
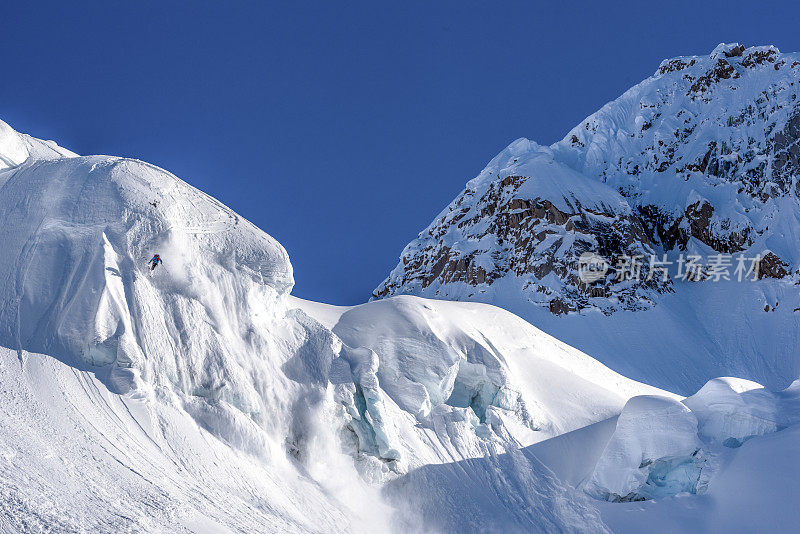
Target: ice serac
[702,159]
[654,452]
[731,410]
[482,366]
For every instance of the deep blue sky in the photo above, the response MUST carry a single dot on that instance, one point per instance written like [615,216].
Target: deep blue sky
[341,129]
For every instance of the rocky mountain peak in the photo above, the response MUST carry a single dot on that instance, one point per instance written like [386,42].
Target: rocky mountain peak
[701,158]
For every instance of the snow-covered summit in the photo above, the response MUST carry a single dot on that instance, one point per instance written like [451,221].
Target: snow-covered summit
[702,158]
[705,150]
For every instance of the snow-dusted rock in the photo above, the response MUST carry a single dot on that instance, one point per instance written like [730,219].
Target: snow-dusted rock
[520,228]
[699,159]
[706,149]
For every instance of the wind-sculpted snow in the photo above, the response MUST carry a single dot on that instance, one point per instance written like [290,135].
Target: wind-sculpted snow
[16,148]
[654,451]
[12,147]
[209,351]
[78,233]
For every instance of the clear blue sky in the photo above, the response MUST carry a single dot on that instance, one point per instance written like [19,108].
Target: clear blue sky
[341,128]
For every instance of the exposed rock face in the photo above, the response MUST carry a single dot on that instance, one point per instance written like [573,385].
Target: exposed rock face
[771,266]
[531,227]
[695,222]
[702,156]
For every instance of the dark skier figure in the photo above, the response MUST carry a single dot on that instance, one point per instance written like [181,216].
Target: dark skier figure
[155,261]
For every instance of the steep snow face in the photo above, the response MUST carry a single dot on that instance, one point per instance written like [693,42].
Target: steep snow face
[12,148]
[16,148]
[76,284]
[699,159]
[210,348]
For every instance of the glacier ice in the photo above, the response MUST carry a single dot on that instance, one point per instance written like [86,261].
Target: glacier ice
[732,410]
[654,451]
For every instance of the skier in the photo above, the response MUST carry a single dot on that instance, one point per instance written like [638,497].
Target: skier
[155,261]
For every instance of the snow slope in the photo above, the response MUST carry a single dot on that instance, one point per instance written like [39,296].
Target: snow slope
[76,457]
[204,382]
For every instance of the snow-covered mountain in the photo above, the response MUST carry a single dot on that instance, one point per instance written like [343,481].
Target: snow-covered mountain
[700,160]
[203,397]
